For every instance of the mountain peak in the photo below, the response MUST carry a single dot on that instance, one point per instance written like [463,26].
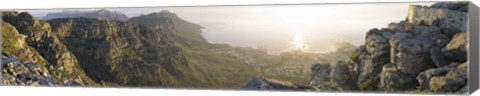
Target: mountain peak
[102,14]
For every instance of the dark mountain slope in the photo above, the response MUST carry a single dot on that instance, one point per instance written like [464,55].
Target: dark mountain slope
[187,33]
[124,53]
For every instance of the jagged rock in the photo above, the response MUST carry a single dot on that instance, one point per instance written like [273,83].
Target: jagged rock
[377,44]
[438,58]
[444,79]
[341,75]
[369,65]
[258,83]
[391,79]
[320,74]
[16,72]
[457,48]
[451,22]
[411,52]
[368,78]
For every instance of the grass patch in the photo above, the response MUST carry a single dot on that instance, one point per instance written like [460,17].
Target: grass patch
[369,83]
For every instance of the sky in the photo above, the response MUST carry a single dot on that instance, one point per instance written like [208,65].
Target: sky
[277,28]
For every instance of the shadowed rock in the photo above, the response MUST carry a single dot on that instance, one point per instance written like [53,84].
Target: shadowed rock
[457,48]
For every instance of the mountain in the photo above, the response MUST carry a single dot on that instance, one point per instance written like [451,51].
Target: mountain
[101,14]
[155,50]
[186,33]
[424,53]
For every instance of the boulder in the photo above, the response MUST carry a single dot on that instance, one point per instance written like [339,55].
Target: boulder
[259,83]
[391,79]
[377,45]
[411,52]
[449,78]
[438,58]
[456,49]
[368,78]
[341,75]
[320,73]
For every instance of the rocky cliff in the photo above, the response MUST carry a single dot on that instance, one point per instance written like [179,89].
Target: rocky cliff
[101,14]
[36,43]
[427,52]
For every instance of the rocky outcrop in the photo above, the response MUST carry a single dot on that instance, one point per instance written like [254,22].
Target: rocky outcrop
[21,72]
[416,54]
[258,83]
[101,14]
[450,78]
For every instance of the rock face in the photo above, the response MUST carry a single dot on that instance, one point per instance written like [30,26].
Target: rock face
[58,59]
[124,53]
[258,83]
[101,14]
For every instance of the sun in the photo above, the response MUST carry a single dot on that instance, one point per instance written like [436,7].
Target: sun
[298,41]
[298,20]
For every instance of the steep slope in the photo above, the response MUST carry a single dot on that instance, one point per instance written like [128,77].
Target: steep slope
[186,33]
[124,53]
[61,62]
[101,14]
[20,63]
